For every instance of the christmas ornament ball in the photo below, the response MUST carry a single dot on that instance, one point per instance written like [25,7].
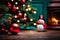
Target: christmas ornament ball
[14,25]
[14,28]
[25,19]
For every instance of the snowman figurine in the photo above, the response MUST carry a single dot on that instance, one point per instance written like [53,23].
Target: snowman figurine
[41,25]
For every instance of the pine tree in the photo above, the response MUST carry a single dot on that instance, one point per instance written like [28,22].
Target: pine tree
[17,11]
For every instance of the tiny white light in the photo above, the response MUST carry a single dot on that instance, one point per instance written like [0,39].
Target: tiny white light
[17,8]
[35,24]
[12,0]
[34,12]
[31,19]
[26,9]
[16,2]
[25,14]
[18,20]
[28,5]
[29,9]
[23,4]
[15,16]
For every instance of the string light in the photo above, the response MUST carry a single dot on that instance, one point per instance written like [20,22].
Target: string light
[16,3]
[23,4]
[29,9]
[34,12]
[26,9]
[35,24]
[28,5]
[25,14]
[12,0]
[15,16]
[31,19]
[17,8]
[18,21]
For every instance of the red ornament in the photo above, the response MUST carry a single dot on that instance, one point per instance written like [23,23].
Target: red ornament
[23,1]
[14,28]
[14,9]
[19,15]
[9,5]
[3,29]
[24,19]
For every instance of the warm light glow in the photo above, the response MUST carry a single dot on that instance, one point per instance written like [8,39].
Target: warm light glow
[26,9]
[15,16]
[54,20]
[29,9]
[18,20]
[12,0]
[17,8]
[16,2]
[23,4]
[25,14]
[35,24]
[34,12]
[31,19]
[28,5]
